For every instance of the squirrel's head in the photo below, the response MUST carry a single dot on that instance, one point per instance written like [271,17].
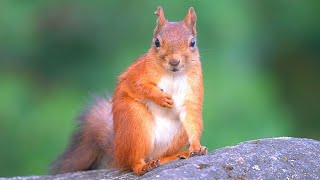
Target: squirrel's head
[174,44]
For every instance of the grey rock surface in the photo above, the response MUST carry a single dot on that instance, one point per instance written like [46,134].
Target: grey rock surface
[274,158]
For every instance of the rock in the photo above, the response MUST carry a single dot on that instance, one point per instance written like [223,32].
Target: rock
[274,158]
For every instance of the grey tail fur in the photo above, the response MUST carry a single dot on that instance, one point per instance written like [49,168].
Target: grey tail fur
[91,144]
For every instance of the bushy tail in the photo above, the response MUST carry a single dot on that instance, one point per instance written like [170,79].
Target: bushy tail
[92,143]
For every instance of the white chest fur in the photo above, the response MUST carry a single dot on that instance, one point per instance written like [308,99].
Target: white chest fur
[167,122]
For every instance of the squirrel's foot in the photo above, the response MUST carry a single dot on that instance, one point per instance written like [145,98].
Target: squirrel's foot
[184,155]
[199,152]
[141,170]
[152,164]
[191,152]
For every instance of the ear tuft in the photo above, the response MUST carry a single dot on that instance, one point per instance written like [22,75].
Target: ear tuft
[161,21]
[190,20]
[159,11]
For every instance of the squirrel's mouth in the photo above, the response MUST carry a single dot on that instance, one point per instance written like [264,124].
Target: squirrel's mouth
[176,69]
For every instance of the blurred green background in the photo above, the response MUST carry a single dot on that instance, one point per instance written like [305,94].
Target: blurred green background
[261,63]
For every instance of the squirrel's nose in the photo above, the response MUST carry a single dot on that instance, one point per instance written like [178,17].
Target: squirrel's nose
[174,62]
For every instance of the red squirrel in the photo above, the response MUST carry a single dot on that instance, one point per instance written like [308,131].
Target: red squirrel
[155,112]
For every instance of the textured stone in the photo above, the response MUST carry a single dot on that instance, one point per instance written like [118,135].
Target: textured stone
[274,158]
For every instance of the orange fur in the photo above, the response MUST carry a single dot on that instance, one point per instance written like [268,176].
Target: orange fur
[156,107]
[133,120]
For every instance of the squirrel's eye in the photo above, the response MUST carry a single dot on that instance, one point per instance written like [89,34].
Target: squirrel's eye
[192,42]
[157,42]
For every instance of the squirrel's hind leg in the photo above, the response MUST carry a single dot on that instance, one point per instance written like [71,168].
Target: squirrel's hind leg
[143,167]
[133,133]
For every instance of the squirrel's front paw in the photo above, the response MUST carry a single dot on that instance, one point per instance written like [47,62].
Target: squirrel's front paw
[164,100]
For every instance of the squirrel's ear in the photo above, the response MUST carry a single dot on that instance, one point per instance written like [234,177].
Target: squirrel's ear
[161,19]
[190,20]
